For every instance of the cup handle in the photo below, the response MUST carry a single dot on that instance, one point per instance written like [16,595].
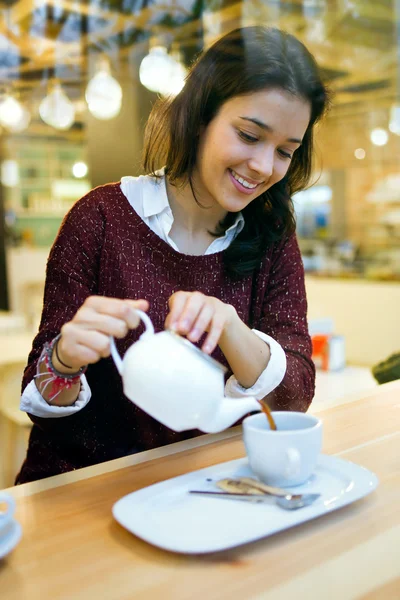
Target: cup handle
[148,331]
[9,500]
[293,462]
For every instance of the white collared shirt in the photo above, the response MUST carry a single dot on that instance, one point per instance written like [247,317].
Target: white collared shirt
[148,198]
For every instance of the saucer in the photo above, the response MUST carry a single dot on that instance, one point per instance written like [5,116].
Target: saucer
[166,515]
[10,537]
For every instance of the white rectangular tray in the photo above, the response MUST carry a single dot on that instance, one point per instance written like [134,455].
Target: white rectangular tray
[166,515]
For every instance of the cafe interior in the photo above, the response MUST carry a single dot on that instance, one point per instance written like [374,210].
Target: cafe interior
[77,83]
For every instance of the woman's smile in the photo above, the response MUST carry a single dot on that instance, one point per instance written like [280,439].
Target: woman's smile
[244,185]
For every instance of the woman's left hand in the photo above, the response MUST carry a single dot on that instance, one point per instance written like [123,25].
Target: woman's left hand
[192,313]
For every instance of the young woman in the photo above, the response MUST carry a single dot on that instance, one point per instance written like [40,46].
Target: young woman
[206,245]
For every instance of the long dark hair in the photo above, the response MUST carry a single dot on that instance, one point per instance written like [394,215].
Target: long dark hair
[246,60]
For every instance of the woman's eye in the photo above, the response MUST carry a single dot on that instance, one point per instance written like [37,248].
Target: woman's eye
[285,154]
[247,137]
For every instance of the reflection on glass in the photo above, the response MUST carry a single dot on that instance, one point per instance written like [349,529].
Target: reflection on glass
[53,83]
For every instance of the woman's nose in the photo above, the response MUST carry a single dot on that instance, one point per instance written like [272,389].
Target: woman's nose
[262,163]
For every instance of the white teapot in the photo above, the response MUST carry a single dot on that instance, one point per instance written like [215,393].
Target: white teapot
[178,384]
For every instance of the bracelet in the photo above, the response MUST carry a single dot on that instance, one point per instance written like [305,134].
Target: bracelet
[59,381]
[48,348]
[55,346]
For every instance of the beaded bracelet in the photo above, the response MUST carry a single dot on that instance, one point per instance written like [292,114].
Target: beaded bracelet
[59,381]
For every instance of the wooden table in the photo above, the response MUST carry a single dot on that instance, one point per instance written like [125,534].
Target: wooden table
[72,548]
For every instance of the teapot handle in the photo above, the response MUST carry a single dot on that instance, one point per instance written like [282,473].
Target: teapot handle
[149,331]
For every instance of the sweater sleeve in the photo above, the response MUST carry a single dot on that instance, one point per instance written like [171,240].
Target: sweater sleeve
[71,276]
[284,318]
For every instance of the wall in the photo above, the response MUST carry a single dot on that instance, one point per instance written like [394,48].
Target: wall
[26,269]
[366,313]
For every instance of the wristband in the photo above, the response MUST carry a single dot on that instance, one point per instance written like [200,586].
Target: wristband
[59,381]
[55,346]
[48,351]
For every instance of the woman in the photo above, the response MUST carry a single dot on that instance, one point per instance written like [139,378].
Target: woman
[206,245]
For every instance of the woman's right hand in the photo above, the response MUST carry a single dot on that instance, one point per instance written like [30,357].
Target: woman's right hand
[85,339]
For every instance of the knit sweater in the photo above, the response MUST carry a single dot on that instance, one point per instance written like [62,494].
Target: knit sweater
[105,248]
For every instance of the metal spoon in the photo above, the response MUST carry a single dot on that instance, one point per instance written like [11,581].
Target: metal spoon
[288,502]
[250,489]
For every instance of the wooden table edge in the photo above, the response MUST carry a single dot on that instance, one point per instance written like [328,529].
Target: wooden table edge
[29,489]
[35,487]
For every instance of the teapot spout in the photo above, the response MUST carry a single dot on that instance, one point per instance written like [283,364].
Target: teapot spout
[230,411]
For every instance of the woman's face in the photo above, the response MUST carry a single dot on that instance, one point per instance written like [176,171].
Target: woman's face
[248,147]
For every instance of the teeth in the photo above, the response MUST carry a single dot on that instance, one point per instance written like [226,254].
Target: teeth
[244,183]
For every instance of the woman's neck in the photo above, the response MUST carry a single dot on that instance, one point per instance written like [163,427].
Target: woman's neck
[196,215]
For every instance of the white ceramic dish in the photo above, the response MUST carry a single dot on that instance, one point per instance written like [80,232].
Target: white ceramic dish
[10,537]
[167,516]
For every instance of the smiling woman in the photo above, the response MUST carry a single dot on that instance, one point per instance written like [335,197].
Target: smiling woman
[204,242]
[263,86]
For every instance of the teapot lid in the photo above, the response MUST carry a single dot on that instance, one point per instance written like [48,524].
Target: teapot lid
[199,352]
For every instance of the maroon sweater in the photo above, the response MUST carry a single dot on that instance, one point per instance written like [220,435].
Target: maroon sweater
[104,248]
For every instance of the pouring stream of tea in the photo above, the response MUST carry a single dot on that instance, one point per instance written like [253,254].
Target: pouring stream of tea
[267,412]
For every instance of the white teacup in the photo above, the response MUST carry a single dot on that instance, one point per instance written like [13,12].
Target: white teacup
[287,456]
[7,510]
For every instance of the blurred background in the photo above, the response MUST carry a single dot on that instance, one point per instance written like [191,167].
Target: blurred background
[77,82]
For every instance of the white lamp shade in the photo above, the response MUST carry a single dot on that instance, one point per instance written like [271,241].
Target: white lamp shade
[57,110]
[9,173]
[176,81]
[23,123]
[394,122]
[11,112]
[104,96]
[156,70]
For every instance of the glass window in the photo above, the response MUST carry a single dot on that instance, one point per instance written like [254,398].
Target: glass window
[78,80]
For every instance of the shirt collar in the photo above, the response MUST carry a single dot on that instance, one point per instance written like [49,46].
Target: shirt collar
[238,224]
[155,201]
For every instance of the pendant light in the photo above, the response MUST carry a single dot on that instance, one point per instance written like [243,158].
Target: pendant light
[394,119]
[56,109]
[11,111]
[13,115]
[156,70]
[176,80]
[104,93]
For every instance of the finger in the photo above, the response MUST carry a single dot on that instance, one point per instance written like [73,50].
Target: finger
[191,311]
[212,339]
[176,304]
[133,320]
[114,307]
[202,322]
[86,347]
[96,311]
[94,342]
[91,320]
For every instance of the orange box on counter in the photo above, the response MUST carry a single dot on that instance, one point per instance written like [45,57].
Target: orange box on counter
[328,351]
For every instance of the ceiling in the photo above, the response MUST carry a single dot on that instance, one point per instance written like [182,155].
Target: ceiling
[354,41]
